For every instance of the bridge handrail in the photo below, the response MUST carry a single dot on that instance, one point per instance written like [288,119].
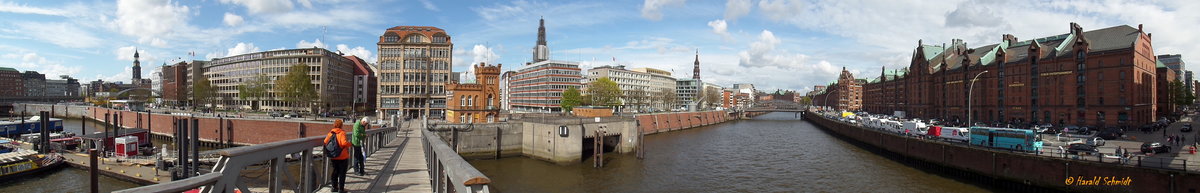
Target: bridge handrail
[445,162]
[228,169]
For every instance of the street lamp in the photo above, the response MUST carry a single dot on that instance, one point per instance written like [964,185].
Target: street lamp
[970,91]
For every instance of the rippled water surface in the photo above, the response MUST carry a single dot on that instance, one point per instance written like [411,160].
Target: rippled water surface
[771,153]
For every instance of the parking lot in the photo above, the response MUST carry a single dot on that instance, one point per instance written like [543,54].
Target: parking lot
[1178,157]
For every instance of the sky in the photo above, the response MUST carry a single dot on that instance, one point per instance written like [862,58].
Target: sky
[773,44]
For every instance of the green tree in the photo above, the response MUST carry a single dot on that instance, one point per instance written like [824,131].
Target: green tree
[604,92]
[202,92]
[254,89]
[570,99]
[296,87]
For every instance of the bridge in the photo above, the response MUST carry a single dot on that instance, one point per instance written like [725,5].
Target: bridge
[777,106]
[400,158]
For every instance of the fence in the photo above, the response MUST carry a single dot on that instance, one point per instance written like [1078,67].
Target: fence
[234,169]
[448,170]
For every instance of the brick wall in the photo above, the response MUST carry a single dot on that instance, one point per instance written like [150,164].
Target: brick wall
[663,122]
[237,131]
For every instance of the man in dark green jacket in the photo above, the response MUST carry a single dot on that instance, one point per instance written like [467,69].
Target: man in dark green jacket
[360,132]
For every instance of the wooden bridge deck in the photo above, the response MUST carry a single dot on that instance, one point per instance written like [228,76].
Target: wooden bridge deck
[397,167]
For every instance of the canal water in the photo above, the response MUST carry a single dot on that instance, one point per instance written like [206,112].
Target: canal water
[776,152]
[69,179]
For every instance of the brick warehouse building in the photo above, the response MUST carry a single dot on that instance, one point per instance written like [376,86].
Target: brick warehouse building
[845,94]
[475,102]
[1098,77]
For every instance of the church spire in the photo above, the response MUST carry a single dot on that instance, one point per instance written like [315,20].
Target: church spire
[540,51]
[541,32]
[696,68]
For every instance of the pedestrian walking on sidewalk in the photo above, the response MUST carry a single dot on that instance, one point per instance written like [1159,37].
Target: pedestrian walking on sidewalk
[342,152]
[360,132]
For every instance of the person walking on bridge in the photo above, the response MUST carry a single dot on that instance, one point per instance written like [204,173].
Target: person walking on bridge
[338,162]
[360,132]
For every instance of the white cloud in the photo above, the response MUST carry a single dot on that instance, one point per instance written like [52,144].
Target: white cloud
[264,6]
[763,55]
[156,42]
[12,7]
[358,51]
[429,5]
[150,18]
[61,34]
[232,19]
[242,48]
[719,27]
[307,44]
[32,61]
[126,54]
[737,8]
[652,9]
[124,76]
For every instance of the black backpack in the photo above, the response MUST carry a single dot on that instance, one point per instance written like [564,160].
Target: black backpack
[332,149]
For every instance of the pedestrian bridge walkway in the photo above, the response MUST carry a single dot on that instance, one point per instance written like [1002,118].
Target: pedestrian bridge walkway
[398,166]
[399,160]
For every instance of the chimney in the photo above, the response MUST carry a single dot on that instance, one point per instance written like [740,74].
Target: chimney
[1139,27]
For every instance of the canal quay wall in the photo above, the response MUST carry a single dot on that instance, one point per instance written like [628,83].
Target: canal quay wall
[1009,169]
[540,138]
[233,131]
[55,109]
[673,121]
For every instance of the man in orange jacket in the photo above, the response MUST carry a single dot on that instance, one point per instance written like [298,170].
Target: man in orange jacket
[340,163]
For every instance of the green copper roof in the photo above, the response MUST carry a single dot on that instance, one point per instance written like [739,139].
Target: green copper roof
[931,51]
[1159,64]
[8,69]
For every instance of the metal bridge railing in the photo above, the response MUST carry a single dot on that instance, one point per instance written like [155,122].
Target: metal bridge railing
[228,173]
[448,171]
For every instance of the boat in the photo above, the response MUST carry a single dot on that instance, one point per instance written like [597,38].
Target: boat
[23,162]
[31,125]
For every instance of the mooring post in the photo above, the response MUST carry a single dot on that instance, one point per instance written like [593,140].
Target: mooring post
[93,171]
[195,146]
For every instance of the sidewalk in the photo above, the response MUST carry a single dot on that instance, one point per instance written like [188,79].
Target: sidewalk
[398,167]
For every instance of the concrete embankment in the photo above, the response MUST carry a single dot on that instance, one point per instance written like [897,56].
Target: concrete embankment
[1016,170]
[566,140]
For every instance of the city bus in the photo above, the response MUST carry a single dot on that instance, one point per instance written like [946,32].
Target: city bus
[1006,138]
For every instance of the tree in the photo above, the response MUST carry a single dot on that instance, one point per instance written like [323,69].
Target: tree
[570,99]
[1180,94]
[202,92]
[604,92]
[712,97]
[254,89]
[667,98]
[636,98]
[296,87]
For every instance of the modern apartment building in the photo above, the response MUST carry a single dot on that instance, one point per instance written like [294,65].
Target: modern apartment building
[330,72]
[414,67]
[538,87]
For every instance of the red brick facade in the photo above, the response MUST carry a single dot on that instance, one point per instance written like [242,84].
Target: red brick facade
[1099,77]
[1166,101]
[846,94]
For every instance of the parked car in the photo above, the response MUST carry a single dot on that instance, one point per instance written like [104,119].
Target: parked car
[1082,148]
[1155,147]
[1096,141]
[1186,128]
[276,114]
[1110,133]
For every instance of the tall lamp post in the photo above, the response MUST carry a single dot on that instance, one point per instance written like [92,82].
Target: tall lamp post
[970,91]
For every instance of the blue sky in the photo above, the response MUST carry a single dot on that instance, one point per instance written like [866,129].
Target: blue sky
[787,44]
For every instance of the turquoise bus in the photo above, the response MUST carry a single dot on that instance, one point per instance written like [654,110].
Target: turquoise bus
[1006,138]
